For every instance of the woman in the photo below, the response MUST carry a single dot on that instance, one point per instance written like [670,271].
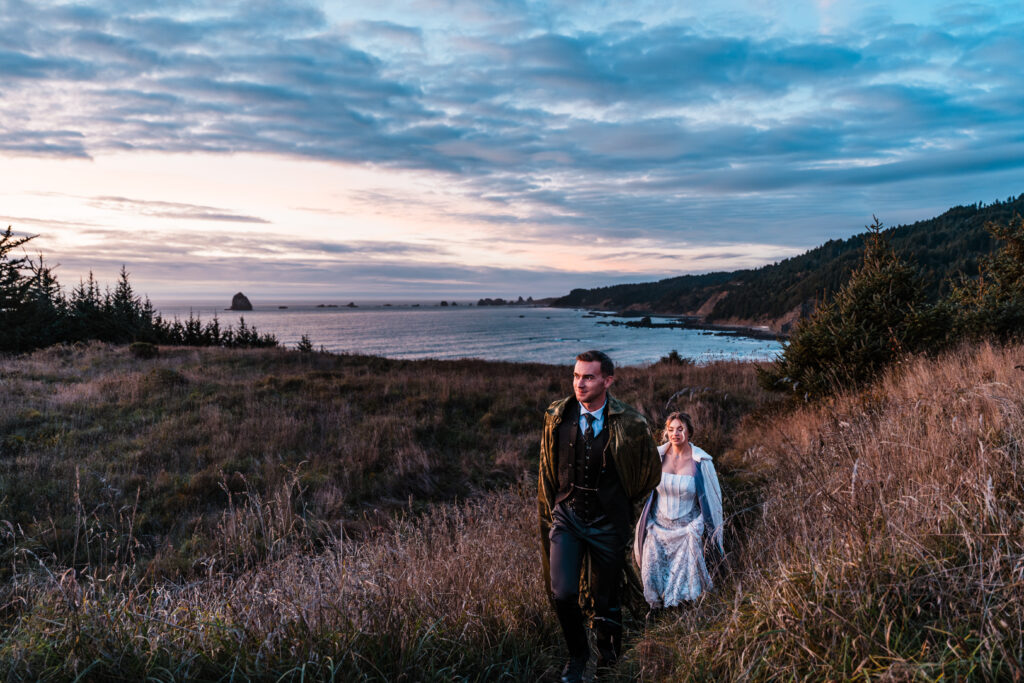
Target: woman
[668,547]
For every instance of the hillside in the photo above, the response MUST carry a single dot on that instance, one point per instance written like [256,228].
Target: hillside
[274,515]
[195,518]
[777,294]
[180,439]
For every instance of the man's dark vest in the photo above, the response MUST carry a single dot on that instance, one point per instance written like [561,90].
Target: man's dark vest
[612,499]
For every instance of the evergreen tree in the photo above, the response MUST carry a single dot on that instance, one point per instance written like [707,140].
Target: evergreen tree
[211,333]
[46,309]
[305,344]
[14,291]
[149,323]
[34,312]
[86,311]
[124,311]
[992,306]
[879,314]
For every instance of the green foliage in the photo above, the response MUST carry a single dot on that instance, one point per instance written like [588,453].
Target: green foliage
[879,314]
[305,345]
[144,350]
[942,247]
[35,313]
[683,293]
[673,358]
[14,290]
[992,306]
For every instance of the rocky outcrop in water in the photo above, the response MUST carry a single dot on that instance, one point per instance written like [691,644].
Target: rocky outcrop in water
[240,302]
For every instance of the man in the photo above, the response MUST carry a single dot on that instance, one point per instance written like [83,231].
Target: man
[598,462]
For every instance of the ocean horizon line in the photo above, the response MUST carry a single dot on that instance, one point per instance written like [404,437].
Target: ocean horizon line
[341,301]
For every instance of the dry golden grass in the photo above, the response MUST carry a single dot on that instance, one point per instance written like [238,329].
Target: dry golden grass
[86,431]
[879,536]
[890,542]
[265,514]
[455,595]
[339,435]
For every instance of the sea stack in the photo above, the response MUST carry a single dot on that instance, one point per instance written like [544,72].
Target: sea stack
[240,302]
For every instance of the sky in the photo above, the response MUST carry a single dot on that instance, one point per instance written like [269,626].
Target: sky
[471,148]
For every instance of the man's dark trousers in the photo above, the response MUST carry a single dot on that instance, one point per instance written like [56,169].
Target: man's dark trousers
[572,541]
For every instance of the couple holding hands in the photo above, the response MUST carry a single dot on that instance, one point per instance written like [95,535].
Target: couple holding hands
[598,465]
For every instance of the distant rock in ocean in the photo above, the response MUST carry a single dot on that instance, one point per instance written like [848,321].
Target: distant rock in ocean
[240,302]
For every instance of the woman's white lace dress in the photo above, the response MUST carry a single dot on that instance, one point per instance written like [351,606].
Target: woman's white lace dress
[673,568]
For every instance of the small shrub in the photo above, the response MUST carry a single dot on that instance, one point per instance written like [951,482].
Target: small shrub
[144,350]
[673,358]
[163,378]
[305,345]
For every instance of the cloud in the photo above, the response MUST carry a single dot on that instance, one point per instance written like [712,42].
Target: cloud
[566,123]
[147,249]
[163,266]
[274,280]
[45,222]
[172,210]
[17,65]
[388,33]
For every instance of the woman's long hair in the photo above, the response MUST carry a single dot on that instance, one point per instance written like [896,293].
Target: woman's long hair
[682,417]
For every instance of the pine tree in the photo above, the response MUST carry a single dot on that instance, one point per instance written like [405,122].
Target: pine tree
[14,289]
[879,314]
[124,311]
[992,306]
[46,315]
[86,309]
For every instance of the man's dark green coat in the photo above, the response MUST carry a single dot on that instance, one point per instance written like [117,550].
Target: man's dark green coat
[632,450]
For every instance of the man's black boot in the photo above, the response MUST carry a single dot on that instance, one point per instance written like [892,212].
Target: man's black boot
[609,645]
[573,670]
[570,617]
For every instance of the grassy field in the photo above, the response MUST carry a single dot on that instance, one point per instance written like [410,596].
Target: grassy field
[890,544]
[267,514]
[181,516]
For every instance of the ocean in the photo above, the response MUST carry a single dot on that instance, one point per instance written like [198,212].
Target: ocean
[413,330]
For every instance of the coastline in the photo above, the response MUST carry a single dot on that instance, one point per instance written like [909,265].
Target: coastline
[515,332]
[724,330]
[686,321]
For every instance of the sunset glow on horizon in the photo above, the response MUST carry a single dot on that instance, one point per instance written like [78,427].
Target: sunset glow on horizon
[450,149]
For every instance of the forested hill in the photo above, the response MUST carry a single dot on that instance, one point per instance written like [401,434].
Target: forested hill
[777,294]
